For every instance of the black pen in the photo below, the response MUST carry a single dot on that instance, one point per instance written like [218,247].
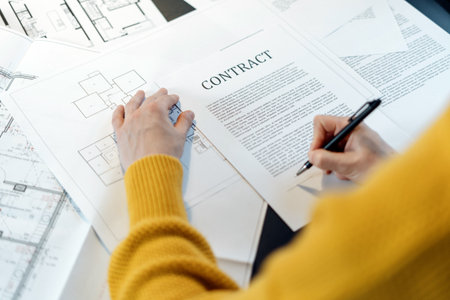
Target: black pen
[354,121]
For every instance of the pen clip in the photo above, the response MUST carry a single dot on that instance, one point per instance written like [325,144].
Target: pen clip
[359,110]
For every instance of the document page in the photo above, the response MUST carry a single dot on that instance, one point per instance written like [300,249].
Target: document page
[255,100]
[374,31]
[319,17]
[414,83]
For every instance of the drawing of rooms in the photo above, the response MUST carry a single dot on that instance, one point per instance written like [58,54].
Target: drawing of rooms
[103,158]
[102,94]
[28,23]
[48,19]
[115,18]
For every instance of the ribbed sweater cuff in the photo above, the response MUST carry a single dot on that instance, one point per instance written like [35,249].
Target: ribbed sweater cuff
[154,188]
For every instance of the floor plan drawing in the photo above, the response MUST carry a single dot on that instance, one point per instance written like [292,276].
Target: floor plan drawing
[102,94]
[113,19]
[88,23]
[200,144]
[72,18]
[33,206]
[45,19]
[26,20]
[103,158]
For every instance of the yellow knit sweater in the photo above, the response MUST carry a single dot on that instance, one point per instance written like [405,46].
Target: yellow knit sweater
[388,239]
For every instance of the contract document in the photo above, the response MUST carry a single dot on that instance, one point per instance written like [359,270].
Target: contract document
[256,99]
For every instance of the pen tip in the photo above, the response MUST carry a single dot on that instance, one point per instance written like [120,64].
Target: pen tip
[301,171]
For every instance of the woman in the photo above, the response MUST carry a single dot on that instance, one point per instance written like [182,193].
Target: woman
[389,238]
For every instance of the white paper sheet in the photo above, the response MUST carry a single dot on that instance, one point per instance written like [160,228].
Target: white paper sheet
[345,27]
[89,273]
[415,83]
[225,221]
[319,17]
[374,31]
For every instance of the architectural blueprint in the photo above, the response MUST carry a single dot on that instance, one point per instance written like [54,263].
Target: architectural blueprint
[34,213]
[102,156]
[109,22]
[45,19]
[102,94]
[113,19]
[87,23]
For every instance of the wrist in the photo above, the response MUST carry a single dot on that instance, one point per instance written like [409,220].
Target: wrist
[154,188]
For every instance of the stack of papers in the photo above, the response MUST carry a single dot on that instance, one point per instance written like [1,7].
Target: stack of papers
[347,27]
[255,85]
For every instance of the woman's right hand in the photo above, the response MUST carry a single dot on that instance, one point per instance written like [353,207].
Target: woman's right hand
[357,155]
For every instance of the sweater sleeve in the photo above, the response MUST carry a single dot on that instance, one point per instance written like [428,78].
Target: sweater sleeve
[390,238]
[163,257]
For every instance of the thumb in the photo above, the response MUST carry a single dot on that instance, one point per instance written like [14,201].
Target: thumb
[338,162]
[184,121]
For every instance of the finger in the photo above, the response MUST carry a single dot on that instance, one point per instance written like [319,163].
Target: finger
[167,101]
[159,93]
[184,122]
[341,177]
[325,128]
[118,117]
[134,103]
[338,162]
